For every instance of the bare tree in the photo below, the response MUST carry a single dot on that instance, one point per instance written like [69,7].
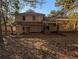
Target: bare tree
[1,18]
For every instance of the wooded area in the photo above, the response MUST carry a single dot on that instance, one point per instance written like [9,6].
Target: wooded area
[10,8]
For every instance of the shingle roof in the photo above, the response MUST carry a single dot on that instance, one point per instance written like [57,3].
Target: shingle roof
[30,12]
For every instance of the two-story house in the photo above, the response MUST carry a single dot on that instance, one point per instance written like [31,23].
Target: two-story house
[29,21]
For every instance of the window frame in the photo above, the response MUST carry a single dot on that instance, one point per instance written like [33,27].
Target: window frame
[33,18]
[23,18]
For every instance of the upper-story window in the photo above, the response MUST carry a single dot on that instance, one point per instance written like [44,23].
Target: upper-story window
[33,17]
[23,18]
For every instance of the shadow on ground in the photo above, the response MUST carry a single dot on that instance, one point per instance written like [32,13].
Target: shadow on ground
[42,46]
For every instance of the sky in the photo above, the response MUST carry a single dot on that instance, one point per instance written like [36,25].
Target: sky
[45,8]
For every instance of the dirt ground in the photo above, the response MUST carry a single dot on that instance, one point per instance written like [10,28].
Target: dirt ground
[42,46]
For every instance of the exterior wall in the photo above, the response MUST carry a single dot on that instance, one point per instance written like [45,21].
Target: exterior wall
[29,18]
[65,26]
[52,27]
[38,18]
[36,28]
[72,27]
[62,23]
[19,29]
[29,29]
[62,28]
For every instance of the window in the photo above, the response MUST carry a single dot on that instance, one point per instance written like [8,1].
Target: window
[24,18]
[33,17]
[23,28]
[47,27]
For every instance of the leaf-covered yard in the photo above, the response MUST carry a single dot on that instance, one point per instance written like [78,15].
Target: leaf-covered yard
[41,46]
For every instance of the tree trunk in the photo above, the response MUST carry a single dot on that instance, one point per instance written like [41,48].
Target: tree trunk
[5,23]
[1,18]
[11,29]
[5,18]
[1,36]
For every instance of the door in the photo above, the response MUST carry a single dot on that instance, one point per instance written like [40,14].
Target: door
[26,30]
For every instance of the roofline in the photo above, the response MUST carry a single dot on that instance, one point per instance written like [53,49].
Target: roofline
[30,12]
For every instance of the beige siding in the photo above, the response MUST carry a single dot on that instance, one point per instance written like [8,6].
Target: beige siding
[64,27]
[36,29]
[52,28]
[61,28]
[38,18]
[28,18]
[19,29]
[72,27]
[27,29]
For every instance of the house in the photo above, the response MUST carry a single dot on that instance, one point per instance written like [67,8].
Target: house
[61,24]
[65,24]
[50,24]
[29,22]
